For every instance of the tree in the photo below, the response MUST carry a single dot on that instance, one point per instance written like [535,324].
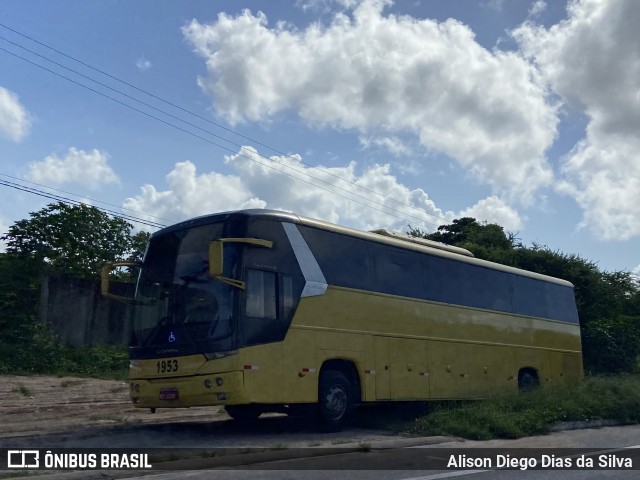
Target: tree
[73,239]
[612,345]
[488,241]
[60,239]
[138,246]
[19,295]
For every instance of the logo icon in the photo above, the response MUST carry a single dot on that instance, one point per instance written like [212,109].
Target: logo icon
[172,337]
[23,459]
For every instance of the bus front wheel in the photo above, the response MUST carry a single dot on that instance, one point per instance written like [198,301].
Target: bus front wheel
[335,399]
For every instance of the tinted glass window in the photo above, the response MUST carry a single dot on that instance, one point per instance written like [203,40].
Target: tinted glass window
[367,265]
[397,272]
[181,308]
[286,295]
[542,299]
[261,294]
[344,260]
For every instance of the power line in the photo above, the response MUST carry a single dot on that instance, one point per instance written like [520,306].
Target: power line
[420,220]
[167,102]
[386,208]
[71,201]
[241,154]
[84,196]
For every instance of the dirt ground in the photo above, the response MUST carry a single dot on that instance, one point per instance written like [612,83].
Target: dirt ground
[47,404]
[84,412]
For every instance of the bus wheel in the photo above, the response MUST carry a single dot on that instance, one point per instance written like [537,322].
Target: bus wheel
[335,399]
[243,413]
[527,380]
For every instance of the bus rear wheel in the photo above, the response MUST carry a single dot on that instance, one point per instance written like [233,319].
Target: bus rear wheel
[527,380]
[335,399]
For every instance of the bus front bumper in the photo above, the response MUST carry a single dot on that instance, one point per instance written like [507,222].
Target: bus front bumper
[192,391]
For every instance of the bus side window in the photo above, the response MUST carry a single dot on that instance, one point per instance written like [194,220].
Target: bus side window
[261,294]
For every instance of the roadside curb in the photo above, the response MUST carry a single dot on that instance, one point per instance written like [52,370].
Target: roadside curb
[400,442]
[248,456]
[584,424]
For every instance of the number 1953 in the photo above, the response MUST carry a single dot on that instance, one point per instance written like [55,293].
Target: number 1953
[167,366]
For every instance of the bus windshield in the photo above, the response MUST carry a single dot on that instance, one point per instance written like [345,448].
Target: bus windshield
[181,308]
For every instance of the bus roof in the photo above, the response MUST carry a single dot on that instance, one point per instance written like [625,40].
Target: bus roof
[453,253]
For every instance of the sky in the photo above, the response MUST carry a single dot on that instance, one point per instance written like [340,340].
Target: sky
[366,113]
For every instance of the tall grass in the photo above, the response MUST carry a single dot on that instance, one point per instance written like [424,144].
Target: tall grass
[516,415]
[41,353]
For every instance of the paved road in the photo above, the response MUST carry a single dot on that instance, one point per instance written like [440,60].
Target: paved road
[276,432]
[609,442]
[405,458]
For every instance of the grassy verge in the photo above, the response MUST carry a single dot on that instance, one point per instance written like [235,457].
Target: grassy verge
[42,354]
[517,415]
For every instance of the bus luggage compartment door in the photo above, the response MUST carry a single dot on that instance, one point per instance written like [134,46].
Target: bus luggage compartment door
[410,375]
[381,362]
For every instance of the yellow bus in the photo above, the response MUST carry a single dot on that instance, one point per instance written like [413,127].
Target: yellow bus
[262,311]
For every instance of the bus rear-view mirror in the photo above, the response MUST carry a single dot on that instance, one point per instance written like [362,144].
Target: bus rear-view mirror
[215,258]
[118,281]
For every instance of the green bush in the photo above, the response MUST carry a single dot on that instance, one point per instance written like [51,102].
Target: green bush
[41,353]
[614,398]
[612,345]
[28,346]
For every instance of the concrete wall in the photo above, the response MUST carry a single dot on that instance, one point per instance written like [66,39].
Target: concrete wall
[80,316]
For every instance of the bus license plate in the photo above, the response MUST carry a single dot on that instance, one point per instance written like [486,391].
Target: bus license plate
[169,394]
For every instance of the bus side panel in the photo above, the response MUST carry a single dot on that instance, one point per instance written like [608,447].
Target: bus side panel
[409,370]
[282,372]
[382,364]
[287,372]
[562,368]
[436,350]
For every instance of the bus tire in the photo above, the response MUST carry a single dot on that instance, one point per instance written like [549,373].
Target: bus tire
[335,399]
[244,414]
[527,380]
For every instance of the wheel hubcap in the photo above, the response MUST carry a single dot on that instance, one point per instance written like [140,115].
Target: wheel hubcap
[336,402]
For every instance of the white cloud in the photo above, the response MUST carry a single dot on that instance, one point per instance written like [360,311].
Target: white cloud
[603,175]
[15,121]
[496,5]
[384,75]
[537,8]
[393,206]
[592,59]
[259,183]
[90,169]
[190,195]
[392,144]
[143,64]
[494,210]
[323,6]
